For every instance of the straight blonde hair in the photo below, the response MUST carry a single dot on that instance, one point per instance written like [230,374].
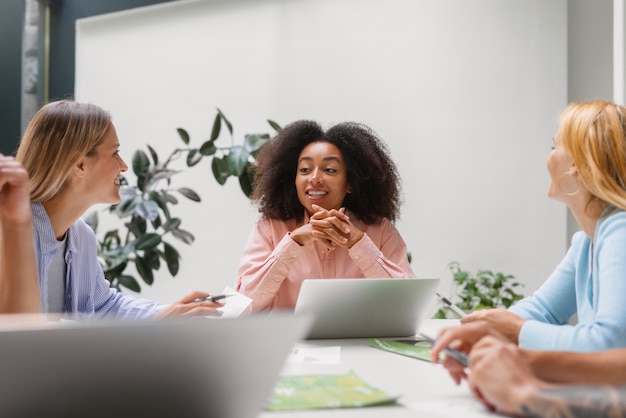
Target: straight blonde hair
[593,134]
[57,137]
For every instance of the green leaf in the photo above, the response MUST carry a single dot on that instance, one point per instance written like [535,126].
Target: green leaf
[228,124]
[169,198]
[147,241]
[173,223]
[112,235]
[238,159]
[274,125]
[162,199]
[143,179]
[184,135]
[158,198]
[163,174]
[156,223]
[144,270]
[189,194]
[184,236]
[140,162]
[220,169]
[147,209]
[208,148]
[193,157]
[245,182]
[152,259]
[254,142]
[137,226]
[171,257]
[217,127]
[129,282]
[127,206]
[440,314]
[154,155]
[115,271]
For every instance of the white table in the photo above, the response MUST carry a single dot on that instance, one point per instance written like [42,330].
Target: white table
[425,389]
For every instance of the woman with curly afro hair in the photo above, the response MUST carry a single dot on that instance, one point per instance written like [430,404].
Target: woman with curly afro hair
[328,201]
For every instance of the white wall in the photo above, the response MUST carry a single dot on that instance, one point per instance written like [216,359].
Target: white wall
[465,92]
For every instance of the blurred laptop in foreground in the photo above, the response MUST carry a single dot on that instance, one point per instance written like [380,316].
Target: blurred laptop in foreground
[198,367]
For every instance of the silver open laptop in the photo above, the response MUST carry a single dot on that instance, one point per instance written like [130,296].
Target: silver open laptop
[223,368]
[361,308]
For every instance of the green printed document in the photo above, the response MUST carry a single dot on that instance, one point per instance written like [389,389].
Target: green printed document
[415,349]
[325,391]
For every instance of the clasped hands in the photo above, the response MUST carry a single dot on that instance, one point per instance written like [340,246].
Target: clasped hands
[330,227]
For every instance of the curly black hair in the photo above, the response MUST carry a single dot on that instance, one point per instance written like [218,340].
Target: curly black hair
[371,173]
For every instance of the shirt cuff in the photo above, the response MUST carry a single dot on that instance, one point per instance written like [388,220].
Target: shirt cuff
[365,253]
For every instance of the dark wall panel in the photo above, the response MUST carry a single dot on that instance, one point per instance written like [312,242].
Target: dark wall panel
[63,16]
[11,22]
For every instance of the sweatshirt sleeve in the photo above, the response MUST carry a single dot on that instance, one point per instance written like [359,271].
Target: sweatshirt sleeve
[555,301]
[599,299]
[263,266]
[390,260]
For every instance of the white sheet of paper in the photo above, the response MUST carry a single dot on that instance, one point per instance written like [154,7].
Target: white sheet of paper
[317,355]
[234,305]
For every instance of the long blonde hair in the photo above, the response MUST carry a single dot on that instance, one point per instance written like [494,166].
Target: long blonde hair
[58,136]
[593,134]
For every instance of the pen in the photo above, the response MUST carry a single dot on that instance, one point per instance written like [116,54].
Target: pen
[459,356]
[451,305]
[213,298]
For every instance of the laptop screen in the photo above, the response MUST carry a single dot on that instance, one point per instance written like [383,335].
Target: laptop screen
[363,308]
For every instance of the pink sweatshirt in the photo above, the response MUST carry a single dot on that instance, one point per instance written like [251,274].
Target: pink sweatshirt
[273,265]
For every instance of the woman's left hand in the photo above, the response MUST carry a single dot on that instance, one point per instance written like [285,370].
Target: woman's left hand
[188,306]
[503,321]
[335,226]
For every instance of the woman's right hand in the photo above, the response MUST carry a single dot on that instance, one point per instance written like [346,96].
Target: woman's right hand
[14,193]
[500,376]
[304,235]
[188,306]
[462,338]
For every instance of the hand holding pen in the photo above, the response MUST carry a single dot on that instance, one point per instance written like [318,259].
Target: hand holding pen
[464,338]
[457,355]
[214,298]
[189,306]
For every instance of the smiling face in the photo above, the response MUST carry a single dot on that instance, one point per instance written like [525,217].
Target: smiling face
[321,177]
[104,166]
[559,166]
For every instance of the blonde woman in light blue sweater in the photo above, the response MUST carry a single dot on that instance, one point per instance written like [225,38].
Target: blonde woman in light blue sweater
[587,168]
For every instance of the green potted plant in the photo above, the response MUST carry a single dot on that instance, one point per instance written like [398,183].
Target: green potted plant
[145,208]
[485,289]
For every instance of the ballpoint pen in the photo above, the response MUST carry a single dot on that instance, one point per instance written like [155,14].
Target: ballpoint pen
[459,356]
[451,305]
[214,298]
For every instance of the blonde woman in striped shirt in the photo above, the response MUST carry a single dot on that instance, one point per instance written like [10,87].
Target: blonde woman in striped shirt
[70,151]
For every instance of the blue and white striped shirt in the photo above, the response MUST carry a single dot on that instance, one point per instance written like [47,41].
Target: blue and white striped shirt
[88,293]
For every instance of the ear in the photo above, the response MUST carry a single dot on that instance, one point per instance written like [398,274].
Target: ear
[349,189]
[573,170]
[79,169]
